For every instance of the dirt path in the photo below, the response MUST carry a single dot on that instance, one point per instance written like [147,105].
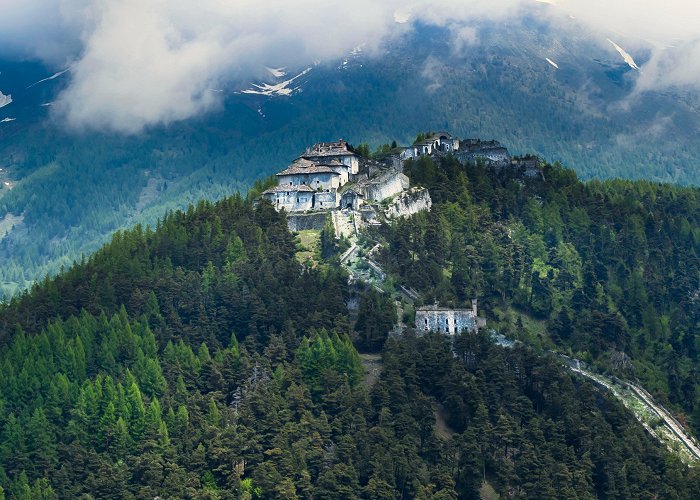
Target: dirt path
[373,368]
[344,224]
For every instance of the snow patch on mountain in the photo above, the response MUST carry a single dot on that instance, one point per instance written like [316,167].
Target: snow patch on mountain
[277,72]
[284,88]
[358,50]
[52,77]
[552,62]
[5,100]
[625,55]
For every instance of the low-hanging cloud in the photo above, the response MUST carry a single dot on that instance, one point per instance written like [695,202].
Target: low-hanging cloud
[138,63]
[670,29]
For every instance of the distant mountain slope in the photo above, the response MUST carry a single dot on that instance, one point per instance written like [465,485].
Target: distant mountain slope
[74,188]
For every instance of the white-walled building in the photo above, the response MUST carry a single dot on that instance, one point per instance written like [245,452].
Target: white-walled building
[445,320]
[440,142]
[298,198]
[338,151]
[304,172]
[307,185]
[328,176]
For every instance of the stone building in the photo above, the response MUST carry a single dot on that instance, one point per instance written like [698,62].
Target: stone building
[334,151]
[297,198]
[315,180]
[384,185]
[445,142]
[304,172]
[441,142]
[306,185]
[351,199]
[490,152]
[447,321]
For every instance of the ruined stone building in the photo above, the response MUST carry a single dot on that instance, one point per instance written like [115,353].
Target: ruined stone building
[490,152]
[441,142]
[446,320]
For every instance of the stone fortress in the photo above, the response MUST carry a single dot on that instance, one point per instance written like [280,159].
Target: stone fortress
[331,180]
[330,176]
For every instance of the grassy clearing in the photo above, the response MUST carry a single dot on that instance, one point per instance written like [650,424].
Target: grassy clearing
[8,222]
[309,247]
[527,329]
[487,492]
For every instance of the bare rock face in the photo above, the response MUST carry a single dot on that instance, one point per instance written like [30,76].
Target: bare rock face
[621,361]
[414,200]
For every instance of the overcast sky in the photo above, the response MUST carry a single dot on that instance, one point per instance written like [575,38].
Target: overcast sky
[137,63]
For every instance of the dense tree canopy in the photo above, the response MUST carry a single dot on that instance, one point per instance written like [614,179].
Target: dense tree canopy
[200,359]
[607,270]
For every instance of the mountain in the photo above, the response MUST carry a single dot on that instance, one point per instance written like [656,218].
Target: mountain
[558,92]
[202,358]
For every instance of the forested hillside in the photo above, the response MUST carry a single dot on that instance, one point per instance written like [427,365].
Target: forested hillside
[606,271]
[201,360]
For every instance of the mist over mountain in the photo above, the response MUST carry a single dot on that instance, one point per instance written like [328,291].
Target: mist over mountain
[566,94]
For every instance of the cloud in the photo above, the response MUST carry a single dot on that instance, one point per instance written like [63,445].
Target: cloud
[670,30]
[43,29]
[672,67]
[139,63]
[432,72]
[464,36]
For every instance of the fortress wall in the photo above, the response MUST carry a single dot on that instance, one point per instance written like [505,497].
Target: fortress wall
[303,222]
[386,187]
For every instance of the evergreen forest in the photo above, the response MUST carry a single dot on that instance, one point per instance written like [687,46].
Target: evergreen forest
[201,359]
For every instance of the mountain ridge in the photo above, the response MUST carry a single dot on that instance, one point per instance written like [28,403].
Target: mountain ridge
[501,86]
